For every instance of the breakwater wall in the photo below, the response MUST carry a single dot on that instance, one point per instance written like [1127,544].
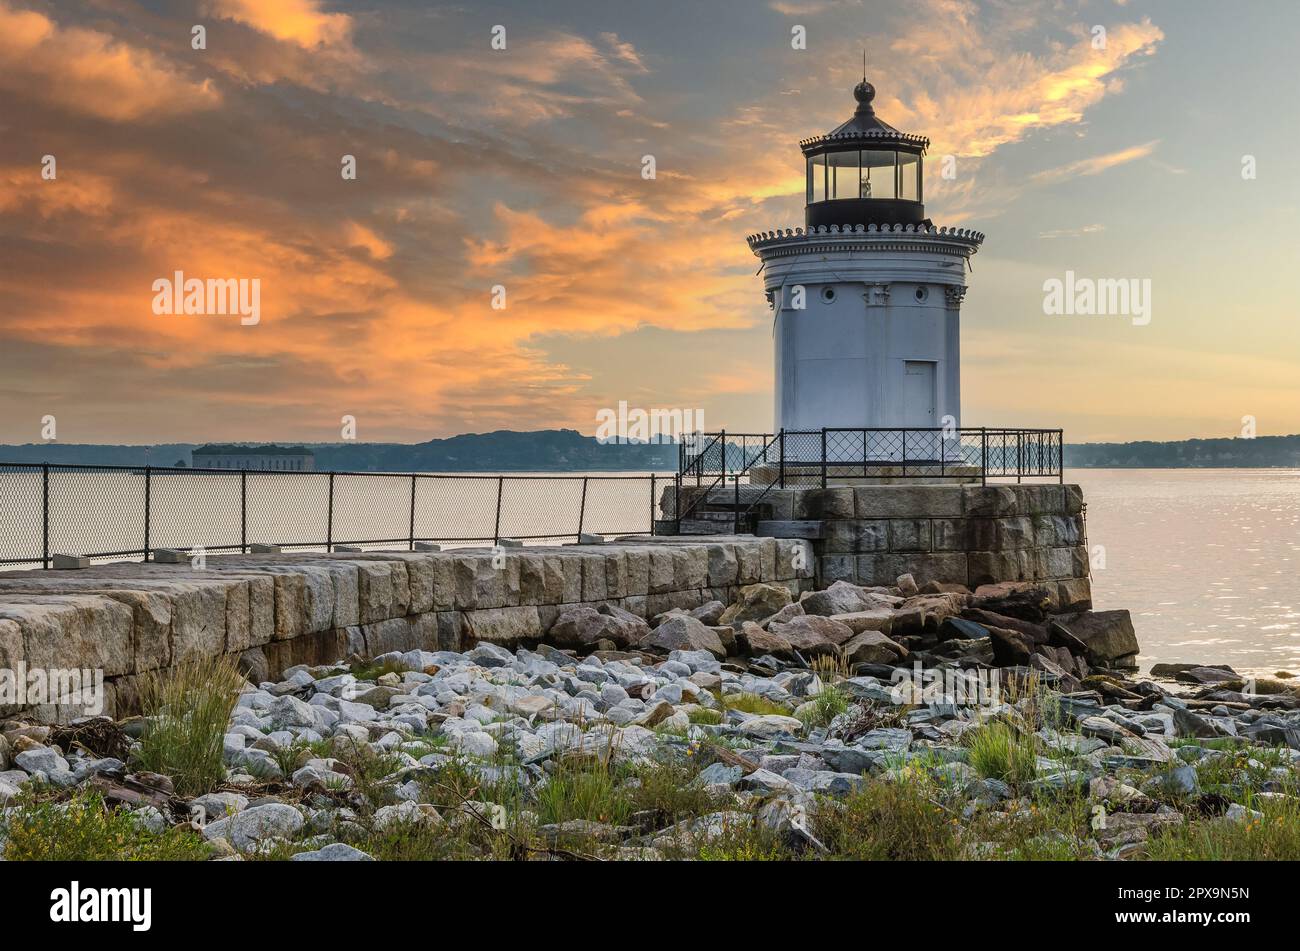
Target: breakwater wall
[274,611]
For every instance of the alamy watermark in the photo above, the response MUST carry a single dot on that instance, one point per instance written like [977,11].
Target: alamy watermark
[962,688]
[1100,297]
[642,425]
[24,686]
[212,297]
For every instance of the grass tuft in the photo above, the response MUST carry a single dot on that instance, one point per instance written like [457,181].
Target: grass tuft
[187,710]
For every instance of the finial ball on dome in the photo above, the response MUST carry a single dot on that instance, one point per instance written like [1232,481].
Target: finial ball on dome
[864,92]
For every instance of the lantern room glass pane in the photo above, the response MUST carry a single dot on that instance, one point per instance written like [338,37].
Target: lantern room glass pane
[909,176]
[817,178]
[843,174]
[879,175]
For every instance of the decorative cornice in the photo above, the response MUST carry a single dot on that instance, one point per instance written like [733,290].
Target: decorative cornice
[829,238]
[872,136]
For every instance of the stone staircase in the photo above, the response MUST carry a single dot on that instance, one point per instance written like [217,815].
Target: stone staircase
[716,515]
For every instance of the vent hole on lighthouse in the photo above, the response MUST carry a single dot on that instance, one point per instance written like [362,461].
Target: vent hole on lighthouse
[828,295]
[922,293]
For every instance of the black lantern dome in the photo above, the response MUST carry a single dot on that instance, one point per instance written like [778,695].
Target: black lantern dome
[864,171]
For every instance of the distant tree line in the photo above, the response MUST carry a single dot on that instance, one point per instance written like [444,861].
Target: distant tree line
[1259,452]
[566,450]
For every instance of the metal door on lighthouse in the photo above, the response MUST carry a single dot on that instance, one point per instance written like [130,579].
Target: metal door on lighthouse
[919,409]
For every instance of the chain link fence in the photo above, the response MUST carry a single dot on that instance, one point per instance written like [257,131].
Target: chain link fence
[107,512]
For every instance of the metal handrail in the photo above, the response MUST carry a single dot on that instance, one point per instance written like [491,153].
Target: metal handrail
[1001,452]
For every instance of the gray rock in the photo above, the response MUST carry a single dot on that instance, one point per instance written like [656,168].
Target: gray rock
[720,774]
[256,824]
[219,805]
[682,633]
[41,760]
[334,852]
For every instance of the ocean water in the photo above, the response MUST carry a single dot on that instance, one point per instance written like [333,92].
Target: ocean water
[1207,561]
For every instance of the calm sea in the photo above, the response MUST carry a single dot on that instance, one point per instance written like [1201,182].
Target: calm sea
[1207,560]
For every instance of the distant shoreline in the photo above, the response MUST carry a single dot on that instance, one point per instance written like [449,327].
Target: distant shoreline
[566,450]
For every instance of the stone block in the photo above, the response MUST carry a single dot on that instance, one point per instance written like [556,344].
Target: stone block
[949,534]
[992,567]
[504,626]
[170,556]
[67,631]
[421,582]
[594,586]
[884,569]
[486,580]
[11,644]
[691,566]
[427,546]
[638,570]
[451,630]
[1066,562]
[394,634]
[837,568]
[69,562]
[749,564]
[767,559]
[661,570]
[989,501]
[794,558]
[615,560]
[910,534]
[723,566]
[831,502]
[1071,499]
[907,501]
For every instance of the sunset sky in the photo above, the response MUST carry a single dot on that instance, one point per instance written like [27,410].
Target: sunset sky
[522,168]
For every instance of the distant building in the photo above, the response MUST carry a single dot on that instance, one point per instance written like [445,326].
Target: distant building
[270,458]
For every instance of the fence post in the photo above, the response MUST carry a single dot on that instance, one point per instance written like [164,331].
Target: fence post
[147,482]
[243,511]
[496,531]
[984,456]
[735,522]
[329,517]
[1020,455]
[823,457]
[582,507]
[904,453]
[412,548]
[1060,455]
[653,500]
[45,516]
[780,464]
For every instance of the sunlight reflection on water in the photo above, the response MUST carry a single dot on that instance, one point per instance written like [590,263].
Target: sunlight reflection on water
[1207,560]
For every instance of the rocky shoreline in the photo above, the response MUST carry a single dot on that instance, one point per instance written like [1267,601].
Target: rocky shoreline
[898,722]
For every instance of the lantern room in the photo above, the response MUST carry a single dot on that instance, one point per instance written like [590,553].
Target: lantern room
[865,171]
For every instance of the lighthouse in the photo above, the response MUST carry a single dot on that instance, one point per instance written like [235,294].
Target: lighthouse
[866,297]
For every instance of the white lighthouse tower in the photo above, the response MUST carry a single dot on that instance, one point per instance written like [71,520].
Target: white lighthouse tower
[867,296]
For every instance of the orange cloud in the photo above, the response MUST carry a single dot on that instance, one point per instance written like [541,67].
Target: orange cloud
[89,72]
[291,21]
